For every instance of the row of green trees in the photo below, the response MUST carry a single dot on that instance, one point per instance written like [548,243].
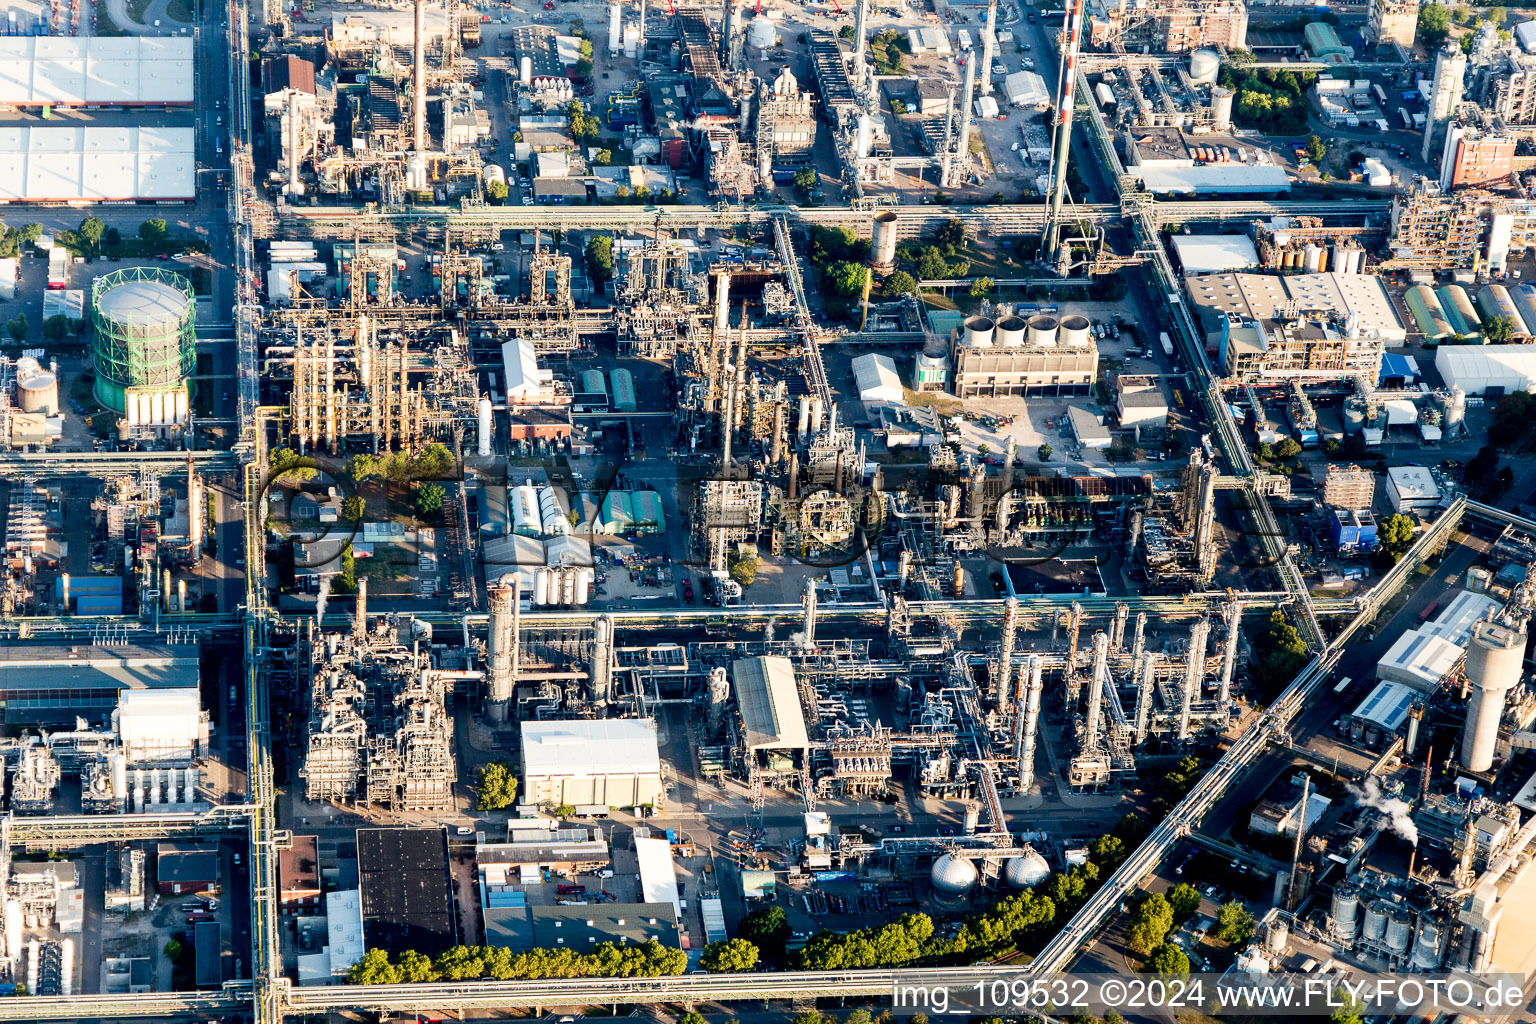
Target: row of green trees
[473,963]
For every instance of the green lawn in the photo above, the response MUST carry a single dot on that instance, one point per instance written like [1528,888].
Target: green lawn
[180,10]
[105,26]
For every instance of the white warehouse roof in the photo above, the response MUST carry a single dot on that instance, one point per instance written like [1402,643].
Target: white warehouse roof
[1215,254]
[520,367]
[1387,706]
[877,379]
[1419,660]
[613,746]
[658,873]
[1026,89]
[78,163]
[1455,622]
[1476,368]
[1213,179]
[103,72]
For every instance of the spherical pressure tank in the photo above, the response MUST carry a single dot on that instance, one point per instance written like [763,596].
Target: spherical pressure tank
[953,876]
[1026,870]
[1043,329]
[761,33]
[885,237]
[1204,65]
[142,335]
[1376,920]
[1010,331]
[1076,331]
[978,332]
[1399,930]
[37,389]
[1346,905]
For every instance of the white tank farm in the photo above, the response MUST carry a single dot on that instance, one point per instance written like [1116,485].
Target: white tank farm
[953,876]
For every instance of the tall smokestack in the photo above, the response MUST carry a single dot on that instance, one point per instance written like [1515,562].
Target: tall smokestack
[859,15]
[960,170]
[988,48]
[1071,41]
[419,81]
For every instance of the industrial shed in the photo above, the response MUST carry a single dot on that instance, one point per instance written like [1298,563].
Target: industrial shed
[1214,254]
[1476,368]
[1214,179]
[877,379]
[770,704]
[407,895]
[58,164]
[1455,621]
[1429,313]
[592,764]
[1419,660]
[658,872]
[1386,709]
[80,71]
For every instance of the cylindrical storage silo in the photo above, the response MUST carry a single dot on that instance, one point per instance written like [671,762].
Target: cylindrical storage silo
[884,243]
[1376,921]
[1399,930]
[13,928]
[32,958]
[1311,258]
[1338,258]
[541,587]
[1495,657]
[1010,331]
[37,389]
[154,787]
[1042,330]
[1221,108]
[568,587]
[1455,410]
[1204,66]
[1357,261]
[1346,905]
[978,331]
[192,780]
[1076,331]
[1426,947]
[584,578]
[142,336]
[818,410]
[487,420]
[67,967]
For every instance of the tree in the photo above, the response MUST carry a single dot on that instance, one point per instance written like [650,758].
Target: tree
[1434,24]
[846,278]
[1396,534]
[91,230]
[1167,959]
[599,257]
[17,327]
[1317,150]
[767,929]
[951,236]
[1280,654]
[496,786]
[354,507]
[1149,924]
[846,32]
[1044,452]
[1234,925]
[603,157]
[1184,899]
[1482,465]
[173,950]
[347,581]
[153,230]
[1497,330]
[429,499]
[898,284]
[932,266]
[56,327]
[114,238]
[373,969]
[496,191]
[415,968]
[1288,448]
[981,286]
[563,811]
[730,956]
[692,1017]
[1265,452]
[898,107]
[584,127]
[805,179]
[742,567]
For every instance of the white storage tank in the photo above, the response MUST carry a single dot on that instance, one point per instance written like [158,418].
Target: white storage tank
[37,389]
[495,172]
[1376,920]
[1010,331]
[1204,66]
[1311,258]
[1076,332]
[584,578]
[1346,905]
[978,332]
[1399,930]
[525,71]
[953,876]
[886,234]
[761,33]
[1026,870]
[541,587]
[487,427]
[1221,109]
[1043,329]
[13,928]
[1426,947]
[1455,409]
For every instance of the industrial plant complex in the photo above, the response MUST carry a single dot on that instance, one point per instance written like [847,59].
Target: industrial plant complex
[709,508]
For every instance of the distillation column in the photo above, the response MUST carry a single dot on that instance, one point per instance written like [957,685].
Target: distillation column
[988,48]
[1194,674]
[1145,677]
[1117,631]
[1096,692]
[808,619]
[500,644]
[602,659]
[860,14]
[1004,680]
[419,77]
[360,623]
[1028,722]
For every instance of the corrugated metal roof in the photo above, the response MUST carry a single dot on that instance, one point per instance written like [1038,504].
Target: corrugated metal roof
[658,874]
[614,746]
[98,71]
[770,704]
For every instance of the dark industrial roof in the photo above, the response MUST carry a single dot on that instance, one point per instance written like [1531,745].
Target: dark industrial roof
[210,964]
[406,889]
[583,928]
[130,667]
[186,862]
[298,867]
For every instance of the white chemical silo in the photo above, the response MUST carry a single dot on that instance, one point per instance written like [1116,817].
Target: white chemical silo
[1494,660]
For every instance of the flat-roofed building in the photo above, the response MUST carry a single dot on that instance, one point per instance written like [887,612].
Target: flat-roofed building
[1420,660]
[95,71]
[592,763]
[407,891]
